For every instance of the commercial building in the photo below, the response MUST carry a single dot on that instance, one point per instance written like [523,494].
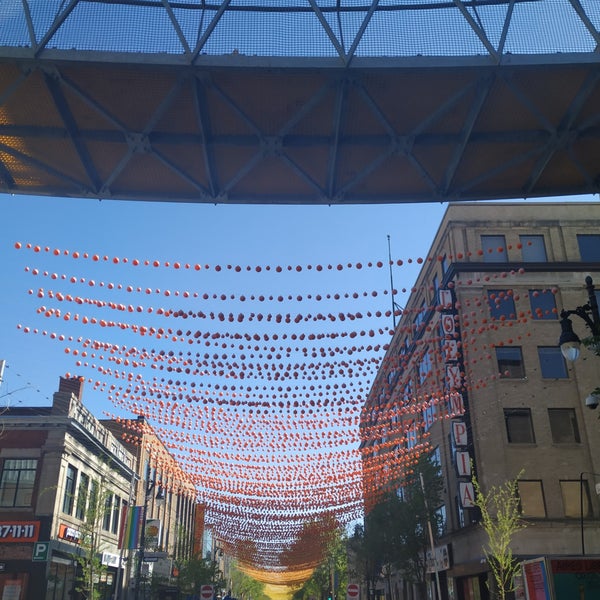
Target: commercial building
[474,375]
[169,496]
[54,462]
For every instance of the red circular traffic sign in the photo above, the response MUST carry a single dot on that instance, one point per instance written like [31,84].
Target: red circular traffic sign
[206,592]
[352,590]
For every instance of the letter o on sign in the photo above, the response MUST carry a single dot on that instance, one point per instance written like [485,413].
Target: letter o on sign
[352,591]
[206,592]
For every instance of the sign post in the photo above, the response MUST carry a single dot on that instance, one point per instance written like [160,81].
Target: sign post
[40,551]
[352,591]
[206,592]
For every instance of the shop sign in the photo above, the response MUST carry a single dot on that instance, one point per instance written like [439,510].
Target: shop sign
[19,531]
[68,533]
[440,561]
[12,589]
[110,560]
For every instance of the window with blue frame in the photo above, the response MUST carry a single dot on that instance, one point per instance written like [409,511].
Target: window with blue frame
[589,247]
[552,362]
[494,248]
[543,304]
[533,248]
[502,305]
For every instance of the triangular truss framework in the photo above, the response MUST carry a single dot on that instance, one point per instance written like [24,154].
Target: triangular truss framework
[299,101]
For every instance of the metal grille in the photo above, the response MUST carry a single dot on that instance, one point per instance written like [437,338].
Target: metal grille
[309,28]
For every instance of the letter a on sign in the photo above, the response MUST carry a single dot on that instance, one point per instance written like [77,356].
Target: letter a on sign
[467,494]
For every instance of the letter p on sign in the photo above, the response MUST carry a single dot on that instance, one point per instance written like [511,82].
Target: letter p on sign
[40,551]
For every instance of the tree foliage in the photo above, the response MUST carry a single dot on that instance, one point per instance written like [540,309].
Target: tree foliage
[198,571]
[395,536]
[245,587]
[94,504]
[331,574]
[501,519]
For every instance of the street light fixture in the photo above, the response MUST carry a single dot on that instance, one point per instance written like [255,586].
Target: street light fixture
[158,499]
[569,341]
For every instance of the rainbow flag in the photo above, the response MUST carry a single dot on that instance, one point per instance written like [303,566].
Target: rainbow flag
[132,521]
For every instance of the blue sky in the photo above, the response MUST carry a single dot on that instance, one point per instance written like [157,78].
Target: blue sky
[238,235]
[205,234]
[282,397]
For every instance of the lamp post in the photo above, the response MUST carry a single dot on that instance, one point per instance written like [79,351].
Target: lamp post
[569,341]
[581,506]
[160,496]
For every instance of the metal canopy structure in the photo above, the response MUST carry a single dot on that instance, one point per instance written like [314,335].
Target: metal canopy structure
[300,101]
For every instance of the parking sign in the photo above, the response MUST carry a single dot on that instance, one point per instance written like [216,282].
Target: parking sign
[40,551]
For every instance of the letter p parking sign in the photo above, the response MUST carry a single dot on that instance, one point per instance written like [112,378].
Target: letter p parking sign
[40,551]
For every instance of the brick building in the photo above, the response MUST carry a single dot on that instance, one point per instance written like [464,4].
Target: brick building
[53,460]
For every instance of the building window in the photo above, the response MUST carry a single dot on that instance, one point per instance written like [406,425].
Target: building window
[70,486]
[563,425]
[519,427]
[436,286]
[441,521]
[574,494]
[494,248]
[552,362]
[82,496]
[589,247]
[502,305]
[445,264]
[93,501]
[531,496]
[107,512]
[16,482]
[116,514]
[510,362]
[420,320]
[425,367]
[543,304]
[533,248]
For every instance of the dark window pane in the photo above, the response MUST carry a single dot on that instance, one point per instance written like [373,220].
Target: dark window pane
[563,425]
[533,248]
[82,496]
[519,428]
[531,495]
[589,247]
[543,304]
[70,483]
[494,248]
[510,362]
[17,481]
[574,494]
[502,305]
[552,363]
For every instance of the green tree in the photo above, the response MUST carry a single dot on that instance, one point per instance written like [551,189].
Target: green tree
[330,576]
[245,587]
[197,571]
[94,504]
[396,532]
[501,520]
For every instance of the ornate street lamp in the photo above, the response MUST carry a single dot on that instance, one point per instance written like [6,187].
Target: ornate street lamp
[569,341]
[159,499]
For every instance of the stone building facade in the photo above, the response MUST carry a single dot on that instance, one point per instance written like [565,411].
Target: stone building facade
[475,374]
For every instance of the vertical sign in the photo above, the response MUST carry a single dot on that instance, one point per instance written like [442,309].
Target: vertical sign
[457,403]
